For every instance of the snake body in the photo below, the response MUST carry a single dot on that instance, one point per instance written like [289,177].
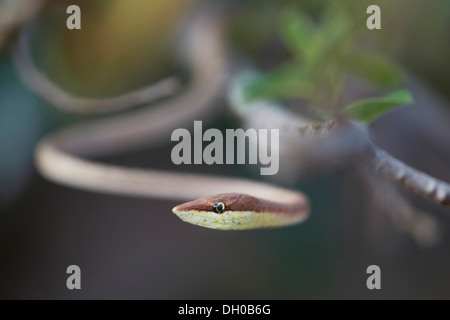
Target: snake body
[64,156]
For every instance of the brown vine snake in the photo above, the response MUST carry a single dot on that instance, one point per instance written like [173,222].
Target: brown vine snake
[221,202]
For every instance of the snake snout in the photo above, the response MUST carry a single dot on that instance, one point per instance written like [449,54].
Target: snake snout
[176,209]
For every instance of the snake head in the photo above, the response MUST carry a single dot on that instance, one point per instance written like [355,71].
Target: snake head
[237,211]
[224,211]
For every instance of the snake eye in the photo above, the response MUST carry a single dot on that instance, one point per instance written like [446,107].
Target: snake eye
[219,207]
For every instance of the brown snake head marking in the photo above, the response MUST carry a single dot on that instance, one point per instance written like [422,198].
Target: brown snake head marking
[236,211]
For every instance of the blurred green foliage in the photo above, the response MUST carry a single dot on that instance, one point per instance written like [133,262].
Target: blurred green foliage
[325,49]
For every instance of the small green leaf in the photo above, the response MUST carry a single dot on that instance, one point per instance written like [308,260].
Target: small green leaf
[369,110]
[375,69]
[297,31]
[286,81]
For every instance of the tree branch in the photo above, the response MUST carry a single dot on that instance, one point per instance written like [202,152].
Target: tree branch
[382,163]
[37,81]
[423,228]
[408,177]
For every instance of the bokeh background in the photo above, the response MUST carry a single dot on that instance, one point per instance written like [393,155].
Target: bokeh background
[130,248]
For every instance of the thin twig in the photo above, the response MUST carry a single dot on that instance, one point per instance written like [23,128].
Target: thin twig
[384,164]
[423,228]
[408,177]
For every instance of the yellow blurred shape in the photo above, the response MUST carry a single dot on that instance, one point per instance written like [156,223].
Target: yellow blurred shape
[122,44]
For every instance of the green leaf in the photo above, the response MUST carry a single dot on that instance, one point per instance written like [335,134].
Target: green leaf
[297,30]
[375,69]
[369,110]
[287,81]
[330,43]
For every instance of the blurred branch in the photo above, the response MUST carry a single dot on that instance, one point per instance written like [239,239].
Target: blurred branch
[15,13]
[382,163]
[420,225]
[336,140]
[42,85]
[408,177]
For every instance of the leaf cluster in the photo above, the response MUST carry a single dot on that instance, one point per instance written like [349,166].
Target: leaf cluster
[324,53]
